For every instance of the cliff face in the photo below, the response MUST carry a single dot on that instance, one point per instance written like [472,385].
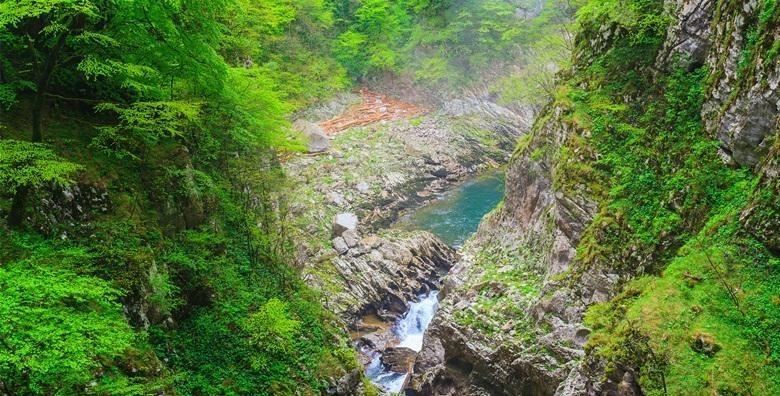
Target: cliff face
[652,175]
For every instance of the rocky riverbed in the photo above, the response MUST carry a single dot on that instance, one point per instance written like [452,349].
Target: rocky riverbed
[347,193]
[376,173]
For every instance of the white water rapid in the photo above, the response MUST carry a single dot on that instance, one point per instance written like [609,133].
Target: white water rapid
[409,331]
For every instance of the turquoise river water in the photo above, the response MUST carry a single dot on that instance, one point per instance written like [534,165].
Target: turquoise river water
[457,214]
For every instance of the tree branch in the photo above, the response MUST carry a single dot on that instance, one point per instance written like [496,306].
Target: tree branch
[60,97]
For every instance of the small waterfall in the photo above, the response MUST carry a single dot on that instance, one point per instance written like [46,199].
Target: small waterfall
[411,328]
[409,331]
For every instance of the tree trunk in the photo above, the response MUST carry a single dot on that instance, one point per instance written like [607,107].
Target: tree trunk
[16,215]
[43,85]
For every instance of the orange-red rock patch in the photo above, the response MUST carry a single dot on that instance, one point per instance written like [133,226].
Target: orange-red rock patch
[374,107]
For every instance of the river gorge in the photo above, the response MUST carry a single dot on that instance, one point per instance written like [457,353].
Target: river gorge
[453,218]
[381,209]
[382,197]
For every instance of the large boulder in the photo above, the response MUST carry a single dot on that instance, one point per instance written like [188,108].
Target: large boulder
[363,187]
[317,140]
[340,245]
[399,359]
[377,341]
[351,237]
[343,222]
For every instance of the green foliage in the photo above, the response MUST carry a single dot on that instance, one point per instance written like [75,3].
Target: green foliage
[434,70]
[60,327]
[690,305]
[173,48]
[644,20]
[12,14]
[163,51]
[8,91]
[443,43]
[466,39]
[256,109]
[229,344]
[534,83]
[144,124]
[291,42]
[24,164]
[374,40]
[350,52]
[272,331]
[760,48]
[663,173]
[192,100]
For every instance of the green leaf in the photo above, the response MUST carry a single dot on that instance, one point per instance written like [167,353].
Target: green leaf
[32,164]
